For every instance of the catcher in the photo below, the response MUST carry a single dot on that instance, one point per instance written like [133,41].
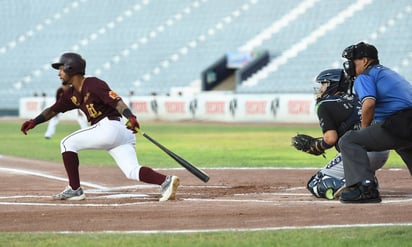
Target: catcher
[338,111]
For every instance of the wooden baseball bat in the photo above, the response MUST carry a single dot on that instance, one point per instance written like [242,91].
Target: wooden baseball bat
[186,164]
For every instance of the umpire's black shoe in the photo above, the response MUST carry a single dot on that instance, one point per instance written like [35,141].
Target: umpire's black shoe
[363,192]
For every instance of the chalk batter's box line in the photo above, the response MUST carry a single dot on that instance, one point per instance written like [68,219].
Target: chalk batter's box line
[273,202]
[99,188]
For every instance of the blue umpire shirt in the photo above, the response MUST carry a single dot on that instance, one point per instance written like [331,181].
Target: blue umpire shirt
[390,90]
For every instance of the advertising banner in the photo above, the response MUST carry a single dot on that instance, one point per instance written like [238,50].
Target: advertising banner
[276,108]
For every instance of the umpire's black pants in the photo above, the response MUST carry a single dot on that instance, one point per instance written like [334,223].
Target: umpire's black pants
[355,144]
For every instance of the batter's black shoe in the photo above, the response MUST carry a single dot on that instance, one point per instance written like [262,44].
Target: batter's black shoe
[363,192]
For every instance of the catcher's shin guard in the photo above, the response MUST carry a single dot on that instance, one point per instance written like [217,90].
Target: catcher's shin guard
[324,186]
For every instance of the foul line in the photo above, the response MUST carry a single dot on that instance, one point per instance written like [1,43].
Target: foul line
[27,172]
[242,229]
[75,205]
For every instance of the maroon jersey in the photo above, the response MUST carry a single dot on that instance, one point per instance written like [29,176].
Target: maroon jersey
[59,93]
[96,100]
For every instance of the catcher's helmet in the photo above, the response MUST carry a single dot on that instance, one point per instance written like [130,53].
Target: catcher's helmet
[73,63]
[336,79]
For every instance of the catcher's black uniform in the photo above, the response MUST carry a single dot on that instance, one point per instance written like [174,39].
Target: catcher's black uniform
[338,112]
[341,113]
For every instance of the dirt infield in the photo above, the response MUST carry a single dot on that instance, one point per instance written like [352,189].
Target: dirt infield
[232,199]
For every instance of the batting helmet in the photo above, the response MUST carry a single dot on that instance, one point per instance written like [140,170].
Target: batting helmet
[336,80]
[73,64]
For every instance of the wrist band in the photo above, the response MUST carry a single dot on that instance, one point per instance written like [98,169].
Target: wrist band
[325,145]
[39,119]
[127,113]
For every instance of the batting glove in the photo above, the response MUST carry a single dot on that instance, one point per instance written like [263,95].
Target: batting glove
[133,125]
[28,125]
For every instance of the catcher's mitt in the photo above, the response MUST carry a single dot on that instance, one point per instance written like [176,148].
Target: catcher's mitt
[308,144]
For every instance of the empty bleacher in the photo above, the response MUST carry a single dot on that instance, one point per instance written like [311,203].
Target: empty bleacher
[151,46]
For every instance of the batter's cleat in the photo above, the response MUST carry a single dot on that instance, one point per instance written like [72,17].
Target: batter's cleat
[169,188]
[70,194]
[363,192]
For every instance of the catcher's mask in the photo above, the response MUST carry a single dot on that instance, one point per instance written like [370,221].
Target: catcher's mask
[73,64]
[336,82]
[357,51]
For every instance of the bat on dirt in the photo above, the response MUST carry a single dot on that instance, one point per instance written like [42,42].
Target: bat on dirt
[186,164]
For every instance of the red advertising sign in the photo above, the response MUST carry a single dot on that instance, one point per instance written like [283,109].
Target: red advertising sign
[255,107]
[299,106]
[140,106]
[215,107]
[175,106]
[32,106]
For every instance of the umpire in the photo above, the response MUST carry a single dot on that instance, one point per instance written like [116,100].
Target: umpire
[383,93]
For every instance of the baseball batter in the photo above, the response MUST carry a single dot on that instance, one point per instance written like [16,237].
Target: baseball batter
[104,110]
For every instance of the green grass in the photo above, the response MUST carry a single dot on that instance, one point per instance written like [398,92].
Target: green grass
[354,237]
[206,145]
